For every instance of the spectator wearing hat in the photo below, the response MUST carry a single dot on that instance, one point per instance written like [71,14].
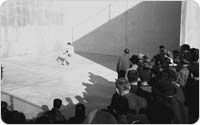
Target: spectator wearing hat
[123,64]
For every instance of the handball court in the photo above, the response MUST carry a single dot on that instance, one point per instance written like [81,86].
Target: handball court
[30,81]
[33,81]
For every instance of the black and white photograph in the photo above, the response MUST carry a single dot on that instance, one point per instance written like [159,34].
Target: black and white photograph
[99,62]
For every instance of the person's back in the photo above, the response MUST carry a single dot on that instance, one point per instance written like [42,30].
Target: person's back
[70,49]
[136,102]
[79,115]
[55,115]
[123,64]
[158,113]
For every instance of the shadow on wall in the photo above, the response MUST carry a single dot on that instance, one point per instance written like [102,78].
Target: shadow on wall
[150,23]
[97,95]
[107,61]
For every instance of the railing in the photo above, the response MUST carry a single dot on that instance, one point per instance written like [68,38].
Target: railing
[103,16]
[15,103]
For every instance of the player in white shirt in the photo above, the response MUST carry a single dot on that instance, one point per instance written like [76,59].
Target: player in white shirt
[70,49]
[65,57]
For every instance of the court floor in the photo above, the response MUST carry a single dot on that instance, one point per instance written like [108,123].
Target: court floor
[34,81]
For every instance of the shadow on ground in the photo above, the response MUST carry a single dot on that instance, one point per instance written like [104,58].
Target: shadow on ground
[97,95]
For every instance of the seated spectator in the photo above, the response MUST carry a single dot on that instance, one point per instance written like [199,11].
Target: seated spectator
[5,112]
[45,108]
[79,115]
[55,115]
[17,118]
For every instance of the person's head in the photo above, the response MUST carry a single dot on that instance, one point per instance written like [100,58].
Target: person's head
[122,86]
[185,48]
[69,43]
[4,105]
[57,103]
[45,108]
[161,48]
[134,59]
[132,76]
[80,109]
[126,51]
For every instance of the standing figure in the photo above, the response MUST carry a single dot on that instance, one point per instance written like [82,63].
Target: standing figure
[123,64]
[69,49]
[65,57]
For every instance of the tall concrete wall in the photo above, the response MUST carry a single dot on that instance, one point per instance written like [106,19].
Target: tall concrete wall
[150,24]
[190,24]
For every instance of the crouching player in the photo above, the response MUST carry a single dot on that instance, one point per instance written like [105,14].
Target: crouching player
[63,58]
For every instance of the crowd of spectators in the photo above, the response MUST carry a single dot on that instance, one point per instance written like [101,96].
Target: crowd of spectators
[163,89]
